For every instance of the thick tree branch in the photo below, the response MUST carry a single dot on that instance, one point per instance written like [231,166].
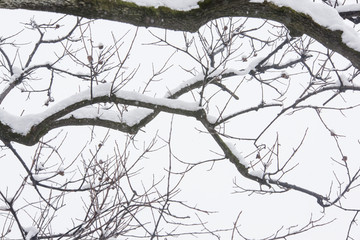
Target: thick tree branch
[191,21]
[64,116]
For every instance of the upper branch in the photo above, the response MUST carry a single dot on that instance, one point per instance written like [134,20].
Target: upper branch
[191,21]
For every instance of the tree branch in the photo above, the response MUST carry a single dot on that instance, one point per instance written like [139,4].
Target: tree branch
[190,21]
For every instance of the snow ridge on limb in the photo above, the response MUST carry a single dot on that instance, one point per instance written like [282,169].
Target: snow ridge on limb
[325,16]
[29,128]
[78,110]
[303,19]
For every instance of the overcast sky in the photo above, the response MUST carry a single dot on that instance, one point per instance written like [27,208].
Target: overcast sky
[208,187]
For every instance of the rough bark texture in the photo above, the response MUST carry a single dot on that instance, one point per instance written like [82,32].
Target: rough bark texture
[191,21]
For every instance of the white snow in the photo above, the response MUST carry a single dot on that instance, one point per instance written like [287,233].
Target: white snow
[211,119]
[93,112]
[215,73]
[183,5]
[324,15]
[257,173]
[189,82]
[31,232]
[16,73]
[37,177]
[252,65]
[321,13]
[243,161]
[171,103]
[130,118]
[134,116]
[40,166]
[23,124]
[86,186]
[345,80]
[238,154]
[349,7]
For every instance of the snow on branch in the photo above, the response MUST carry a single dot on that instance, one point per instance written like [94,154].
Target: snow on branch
[317,20]
[325,16]
[69,111]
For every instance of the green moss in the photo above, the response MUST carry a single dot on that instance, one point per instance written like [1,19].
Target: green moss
[167,10]
[120,2]
[107,4]
[204,3]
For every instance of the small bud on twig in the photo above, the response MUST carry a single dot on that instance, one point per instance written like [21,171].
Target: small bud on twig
[90,59]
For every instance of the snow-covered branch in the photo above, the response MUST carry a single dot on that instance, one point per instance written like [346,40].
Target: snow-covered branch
[29,129]
[318,20]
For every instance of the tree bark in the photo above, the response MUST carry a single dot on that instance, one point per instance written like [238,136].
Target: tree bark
[192,20]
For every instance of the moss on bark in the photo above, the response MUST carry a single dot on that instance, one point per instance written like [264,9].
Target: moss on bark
[191,21]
